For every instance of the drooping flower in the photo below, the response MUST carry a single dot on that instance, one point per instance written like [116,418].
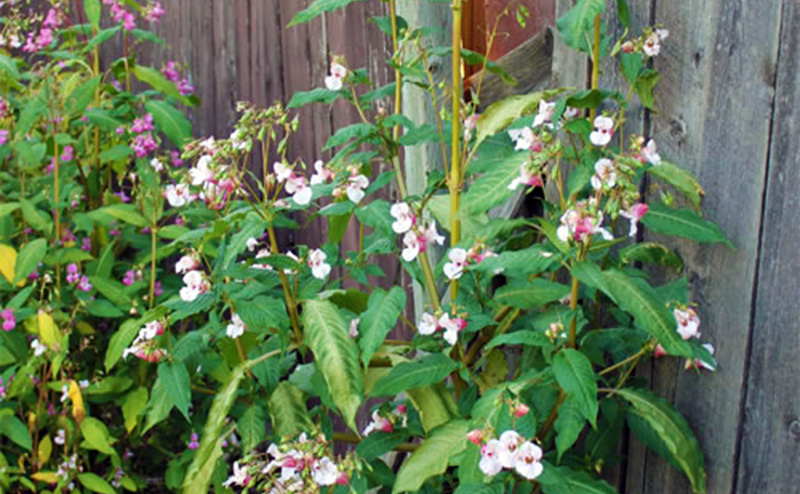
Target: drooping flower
[187,263]
[526,178]
[603,131]
[652,45]
[404,218]
[151,330]
[239,478]
[605,174]
[458,260]
[527,460]
[236,328]
[545,114]
[178,195]
[688,323]
[475,436]
[452,326]
[378,423]
[196,285]
[325,472]
[428,324]
[525,140]
[335,81]
[355,187]
[489,464]
[650,154]
[411,246]
[634,214]
[202,173]
[580,224]
[297,186]
[521,410]
[316,261]
[322,174]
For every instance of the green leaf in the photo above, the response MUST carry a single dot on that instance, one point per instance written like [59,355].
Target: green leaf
[102,119]
[114,291]
[564,480]
[501,114]
[263,313]
[379,443]
[287,408]
[381,316]
[419,135]
[198,476]
[319,95]
[622,12]
[429,370]
[525,337]
[335,355]
[651,252]
[15,430]
[435,405]
[29,258]
[252,428]
[159,406]
[632,64]
[491,189]
[133,406]
[645,85]
[480,489]
[8,208]
[9,66]
[679,443]
[171,121]
[573,25]
[157,81]
[681,179]
[116,153]
[342,136]
[252,227]
[36,219]
[683,223]
[317,8]
[568,425]
[590,274]
[574,373]
[432,457]
[637,298]
[93,11]
[519,263]
[95,483]
[96,436]
[127,332]
[101,37]
[81,97]
[175,379]
[527,295]
[124,212]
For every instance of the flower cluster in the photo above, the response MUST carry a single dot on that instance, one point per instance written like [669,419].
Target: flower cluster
[41,40]
[74,277]
[9,321]
[386,422]
[510,451]
[581,222]
[119,14]
[688,328]
[145,346]
[459,259]
[172,71]
[143,142]
[302,465]
[649,43]
[415,238]
[296,185]
[451,326]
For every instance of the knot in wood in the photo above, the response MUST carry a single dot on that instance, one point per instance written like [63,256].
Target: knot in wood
[794,429]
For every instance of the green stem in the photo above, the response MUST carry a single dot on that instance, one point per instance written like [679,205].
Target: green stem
[455,139]
[398,99]
[595,63]
[291,304]
[57,212]
[573,304]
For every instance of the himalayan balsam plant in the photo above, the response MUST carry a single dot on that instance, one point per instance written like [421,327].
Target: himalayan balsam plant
[158,336]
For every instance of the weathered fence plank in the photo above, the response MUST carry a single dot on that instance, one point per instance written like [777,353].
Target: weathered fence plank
[770,448]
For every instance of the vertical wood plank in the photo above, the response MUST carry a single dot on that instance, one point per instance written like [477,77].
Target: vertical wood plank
[714,109]
[770,448]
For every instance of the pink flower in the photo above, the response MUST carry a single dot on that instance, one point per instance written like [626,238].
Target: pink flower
[525,178]
[129,278]
[73,273]
[322,174]
[489,464]
[521,410]
[187,263]
[452,327]
[404,217]
[688,323]
[316,261]
[297,186]
[3,136]
[67,154]
[605,174]
[84,285]
[86,243]
[475,436]
[545,114]
[378,423]
[9,321]
[525,140]
[578,225]
[659,351]
[649,153]
[634,214]
[153,12]
[458,261]
[194,441]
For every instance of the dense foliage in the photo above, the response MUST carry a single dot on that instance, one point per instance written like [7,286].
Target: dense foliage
[157,336]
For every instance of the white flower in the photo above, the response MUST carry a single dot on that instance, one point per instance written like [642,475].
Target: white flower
[37,347]
[298,187]
[239,476]
[355,188]
[209,145]
[178,195]
[64,393]
[157,165]
[510,442]
[605,174]
[353,330]
[451,326]
[404,217]
[526,178]
[527,461]
[688,323]
[196,285]
[525,140]
[411,246]
[316,261]
[282,172]
[324,472]
[252,243]
[455,268]
[201,173]
[151,330]
[61,437]
[603,131]
[545,114]
[489,463]
[187,263]
[236,328]
[430,234]
[321,174]
[650,153]
[427,325]
[652,45]
[333,83]
[338,70]
[378,423]
[83,383]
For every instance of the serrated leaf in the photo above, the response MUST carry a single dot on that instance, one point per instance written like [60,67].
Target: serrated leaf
[252,428]
[568,425]
[651,252]
[527,295]
[491,189]
[335,355]
[288,411]
[319,95]
[379,443]
[645,85]
[429,370]
[683,223]
[171,121]
[175,379]
[342,136]
[381,316]
[574,373]
[681,179]
[525,337]
[680,444]
[578,20]
[95,483]
[518,263]
[435,405]
[432,457]
[79,99]
[317,8]
[564,480]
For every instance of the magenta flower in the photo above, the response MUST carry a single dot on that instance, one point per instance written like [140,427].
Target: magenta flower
[9,321]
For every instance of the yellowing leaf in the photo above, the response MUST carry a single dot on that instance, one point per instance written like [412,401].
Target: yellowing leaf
[48,333]
[8,258]
[45,449]
[75,396]
[46,477]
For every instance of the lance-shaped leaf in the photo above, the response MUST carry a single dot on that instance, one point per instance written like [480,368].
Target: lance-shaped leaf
[683,223]
[564,480]
[579,19]
[527,295]
[681,179]
[432,457]
[574,373]
[435,405]
[660,427]
[287,407]
[335,355]
[28,259]
[383,310]
[418,374]
[318,8]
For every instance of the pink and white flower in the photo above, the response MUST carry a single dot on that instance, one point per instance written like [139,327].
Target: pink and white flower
[157,165]
[527,460]
[355,187]
[297,186]
[325,472]
[236,328]
[699,364]
[652,45]
[490,464]
[525,178]
[335,81]
[187,263]
[458,261]
[404,218]
[634,214]
[510,441]
[452,327]
[378,423]
[411,246]
[239,478]
[322,174]
[580,225]
[603,131]
[316,261]
[202,173]
[525,140]
[545,114]
[428,324]
[688,323]
[605,174]
[196,285]
[282,172]
[475,436]
[650,154]
[353,329]
[178,195]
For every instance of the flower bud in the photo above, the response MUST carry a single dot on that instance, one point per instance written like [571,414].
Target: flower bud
[521,410]
[627,47]
[475,436]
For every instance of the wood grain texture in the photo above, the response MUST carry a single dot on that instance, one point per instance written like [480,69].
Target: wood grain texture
[715,105]
[770,448]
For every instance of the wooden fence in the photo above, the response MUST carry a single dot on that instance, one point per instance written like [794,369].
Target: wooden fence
[729,110]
